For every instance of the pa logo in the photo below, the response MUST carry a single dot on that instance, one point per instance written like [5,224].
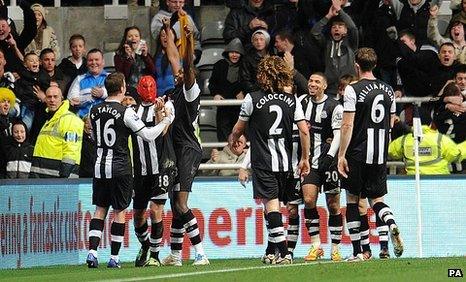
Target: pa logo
[455,272]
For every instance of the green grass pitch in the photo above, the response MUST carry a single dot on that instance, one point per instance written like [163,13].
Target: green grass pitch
[423,270]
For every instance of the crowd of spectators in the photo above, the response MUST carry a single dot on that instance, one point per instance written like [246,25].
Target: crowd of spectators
[41,99]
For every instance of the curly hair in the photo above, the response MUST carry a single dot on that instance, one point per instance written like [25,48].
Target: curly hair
[273,74]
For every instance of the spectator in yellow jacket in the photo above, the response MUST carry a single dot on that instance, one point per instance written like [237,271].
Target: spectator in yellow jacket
[57,152]
[436,150]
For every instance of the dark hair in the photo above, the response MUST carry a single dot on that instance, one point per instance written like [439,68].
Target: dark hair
[114,82]
[45,52]
[336,20]
[451,89]
[460,69]
[408,33]
[17,121]
[321,74]
[76,37]
[366,58]
[165,64]
[121,47]
[285,34]
[447,44]
[95,50]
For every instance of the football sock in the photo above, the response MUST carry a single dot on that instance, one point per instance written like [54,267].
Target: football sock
[176,236]
[270,245]
[353,224]
[192,229]
[382,229]
[311,218]
[117,232]
[292,233]
[335,225]
[385,214]
[156,234]
[277,232]
[364,230]
[95,233]
[142,233]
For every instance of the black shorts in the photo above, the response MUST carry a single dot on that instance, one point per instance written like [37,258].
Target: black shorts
[115,192]
[150,188]
[187,162]
[268,184]
[292,193]
[327,181]
[366,180]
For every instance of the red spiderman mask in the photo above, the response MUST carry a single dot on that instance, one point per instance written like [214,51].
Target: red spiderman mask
[147,89]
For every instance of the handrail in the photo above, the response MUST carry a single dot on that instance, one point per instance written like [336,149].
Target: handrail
[238,166]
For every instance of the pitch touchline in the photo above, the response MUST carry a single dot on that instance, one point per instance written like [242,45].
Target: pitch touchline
[177,275]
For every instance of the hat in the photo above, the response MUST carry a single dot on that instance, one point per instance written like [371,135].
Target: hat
[263,32]
[7,94]
[147,88]
[235,45]
[40,9]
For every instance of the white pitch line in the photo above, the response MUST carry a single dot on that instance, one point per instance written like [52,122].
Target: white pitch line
[178,275]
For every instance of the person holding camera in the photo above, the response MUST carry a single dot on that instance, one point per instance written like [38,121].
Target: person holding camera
[11,43]
[132,58]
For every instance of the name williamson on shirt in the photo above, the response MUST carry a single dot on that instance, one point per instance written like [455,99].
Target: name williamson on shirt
[289,99]
[110,110]
[375,86]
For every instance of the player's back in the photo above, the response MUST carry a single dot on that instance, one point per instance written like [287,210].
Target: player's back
[373,102]
[111,136]
[271,127]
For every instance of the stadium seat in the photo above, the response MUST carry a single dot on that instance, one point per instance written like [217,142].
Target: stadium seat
[207,117]
[212,34]
[209,57]
[203,81]
[443,26]
[109,63]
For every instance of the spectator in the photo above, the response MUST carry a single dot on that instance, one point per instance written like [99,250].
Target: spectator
[450,117]
[260,40]
[456,35]
[414,65]
[230,154]
[443,69]
[13,45]
[339,47]
[7,79]
[172,11]
[45,37]
[48,64]
[88,89]
[225,84]
[30,87]
[7,101]
[306,61]
[86,165]
[75,64]
[344,81]
[241,23]
[57,151]
[163,71]
[382,37]
[459,11]
[18,152]
[132,58]
[413,15]
[436,151]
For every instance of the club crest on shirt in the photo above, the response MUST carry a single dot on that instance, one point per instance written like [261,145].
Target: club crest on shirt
[135,117]
[323,114]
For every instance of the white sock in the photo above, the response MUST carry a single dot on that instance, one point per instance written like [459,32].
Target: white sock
[93,252]
[115,258]
[176,253]
[199,248]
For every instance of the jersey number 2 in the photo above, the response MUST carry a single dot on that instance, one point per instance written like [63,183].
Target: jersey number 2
[108,132]
[274,129]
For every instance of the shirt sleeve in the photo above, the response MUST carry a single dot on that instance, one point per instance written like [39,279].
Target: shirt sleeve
[246,108]
[349,99]
[298,113]
[337,117]
[192,93]
[132,120]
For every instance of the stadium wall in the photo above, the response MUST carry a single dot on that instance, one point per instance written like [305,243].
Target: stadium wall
[45,222]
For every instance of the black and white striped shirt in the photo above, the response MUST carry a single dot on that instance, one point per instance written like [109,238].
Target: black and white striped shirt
[373,102]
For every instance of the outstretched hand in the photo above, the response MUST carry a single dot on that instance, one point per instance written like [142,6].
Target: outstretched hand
[343,168]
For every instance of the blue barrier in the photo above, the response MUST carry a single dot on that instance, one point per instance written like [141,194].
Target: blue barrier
[45,222]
